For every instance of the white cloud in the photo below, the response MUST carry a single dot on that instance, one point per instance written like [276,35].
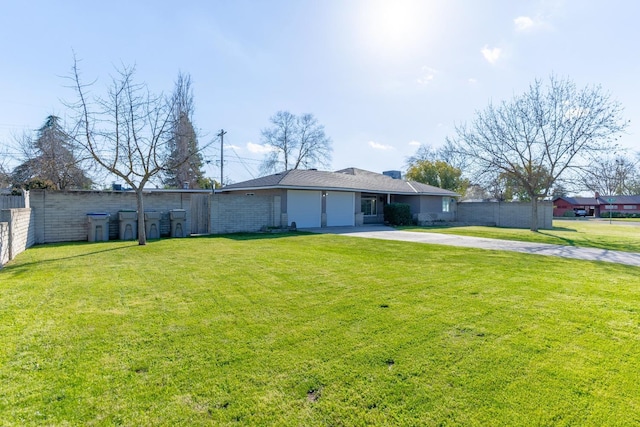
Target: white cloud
[523,23]
[378,146]
[414,143]
[472,80]
[427,75]
[233,147]
[259,148]
[491,55]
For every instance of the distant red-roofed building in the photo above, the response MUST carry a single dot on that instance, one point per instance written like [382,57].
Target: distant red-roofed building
[596,206]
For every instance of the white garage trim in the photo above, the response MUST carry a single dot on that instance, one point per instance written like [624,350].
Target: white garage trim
[304,207]
[340,207]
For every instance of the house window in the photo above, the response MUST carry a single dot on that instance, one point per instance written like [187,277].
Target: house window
[630,206]
[446,204]
[369,206]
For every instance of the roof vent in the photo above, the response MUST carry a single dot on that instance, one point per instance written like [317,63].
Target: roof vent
[393,174]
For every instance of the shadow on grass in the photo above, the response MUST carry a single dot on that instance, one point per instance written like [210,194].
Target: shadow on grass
[561,240]
[256,236]
[564,229]
[17,267]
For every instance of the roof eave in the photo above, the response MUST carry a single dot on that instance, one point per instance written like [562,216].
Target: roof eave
[320,188]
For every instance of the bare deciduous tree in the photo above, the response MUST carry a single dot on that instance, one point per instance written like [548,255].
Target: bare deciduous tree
[610,176]
[5,178]
[540,136]
[126,132]
[295,142]
[444,154]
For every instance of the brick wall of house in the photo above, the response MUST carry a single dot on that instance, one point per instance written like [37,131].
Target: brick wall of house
[61,216]
[504,214]
[561,206]
[17,233]
[233,213]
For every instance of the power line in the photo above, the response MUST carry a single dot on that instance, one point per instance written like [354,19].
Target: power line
[243,164]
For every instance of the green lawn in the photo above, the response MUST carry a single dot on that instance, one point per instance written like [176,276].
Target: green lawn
[315,330]
[618,236]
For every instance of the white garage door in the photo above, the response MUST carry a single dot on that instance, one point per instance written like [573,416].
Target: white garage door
[340,208]
[304,207]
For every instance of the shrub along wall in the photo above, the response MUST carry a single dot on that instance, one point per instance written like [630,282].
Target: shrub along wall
[608,214]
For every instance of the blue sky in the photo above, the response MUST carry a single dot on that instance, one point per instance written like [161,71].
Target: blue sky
[382,76]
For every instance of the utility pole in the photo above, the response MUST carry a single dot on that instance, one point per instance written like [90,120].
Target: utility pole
[221,135]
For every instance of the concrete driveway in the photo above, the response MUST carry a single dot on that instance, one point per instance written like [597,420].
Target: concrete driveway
[389,233]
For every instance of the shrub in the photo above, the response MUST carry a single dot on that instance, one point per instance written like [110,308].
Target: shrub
[398,214]
[613,214]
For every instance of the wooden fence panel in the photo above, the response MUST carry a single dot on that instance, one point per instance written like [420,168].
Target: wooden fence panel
[200,213]
[11,202]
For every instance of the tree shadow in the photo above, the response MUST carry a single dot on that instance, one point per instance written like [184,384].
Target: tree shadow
[18,267]
[256,235]
[564,229]
[560,240]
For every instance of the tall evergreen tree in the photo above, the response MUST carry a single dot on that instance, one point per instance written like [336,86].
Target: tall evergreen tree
[50,158]
[183,142]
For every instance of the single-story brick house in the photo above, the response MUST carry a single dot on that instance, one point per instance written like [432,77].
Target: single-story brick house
[598,205]
[564,204]
[348,197]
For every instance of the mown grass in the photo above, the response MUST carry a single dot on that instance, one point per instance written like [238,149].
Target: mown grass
[315,330]
[585,233]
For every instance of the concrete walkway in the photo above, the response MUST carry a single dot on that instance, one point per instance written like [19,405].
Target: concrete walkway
[388,233]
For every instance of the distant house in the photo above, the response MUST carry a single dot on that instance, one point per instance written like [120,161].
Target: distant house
[564,204]
[348,197]
[597,206]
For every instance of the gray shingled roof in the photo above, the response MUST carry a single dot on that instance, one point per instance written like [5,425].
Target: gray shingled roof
[589,201]
[602,200]
[350,179]
[620,200]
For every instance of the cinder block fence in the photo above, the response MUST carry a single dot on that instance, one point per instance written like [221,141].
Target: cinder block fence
[61,216]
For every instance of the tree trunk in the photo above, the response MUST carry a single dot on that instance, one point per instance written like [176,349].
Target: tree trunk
[534,213]
[142,236]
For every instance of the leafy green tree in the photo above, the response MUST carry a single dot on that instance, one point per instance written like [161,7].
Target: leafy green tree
[439,174]
[511,187]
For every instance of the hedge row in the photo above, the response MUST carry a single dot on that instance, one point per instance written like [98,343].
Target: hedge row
[619,215]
